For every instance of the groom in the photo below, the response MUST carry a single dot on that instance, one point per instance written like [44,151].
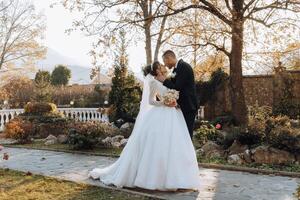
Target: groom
[182,80]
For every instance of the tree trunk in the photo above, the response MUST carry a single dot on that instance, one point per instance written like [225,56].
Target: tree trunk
[160,36]
[148,43]
[239,109]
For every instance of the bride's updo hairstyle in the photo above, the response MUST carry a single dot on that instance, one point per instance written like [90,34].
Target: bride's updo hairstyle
[151,69]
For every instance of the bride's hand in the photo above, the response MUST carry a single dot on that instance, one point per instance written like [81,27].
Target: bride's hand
[173,104]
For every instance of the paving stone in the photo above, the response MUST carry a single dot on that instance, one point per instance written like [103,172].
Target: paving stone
[216,184]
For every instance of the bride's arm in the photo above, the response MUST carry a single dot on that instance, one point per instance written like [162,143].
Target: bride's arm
[152,95]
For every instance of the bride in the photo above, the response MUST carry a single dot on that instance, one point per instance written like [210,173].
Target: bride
[159,154]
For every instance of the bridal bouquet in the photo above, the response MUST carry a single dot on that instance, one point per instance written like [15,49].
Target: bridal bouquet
[171,97]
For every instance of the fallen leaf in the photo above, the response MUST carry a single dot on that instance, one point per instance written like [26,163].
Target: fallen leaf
[5,156]
[28,173]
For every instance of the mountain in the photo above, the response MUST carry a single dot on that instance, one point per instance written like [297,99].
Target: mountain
[80,74]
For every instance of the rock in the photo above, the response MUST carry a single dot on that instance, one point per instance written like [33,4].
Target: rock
[117,138]
[247,156]
[235,159]
[125,126]
[237,148]
[62,139]
[8,141]
[212,150]
[200,152]
[223,133]
[50,142]
[270,155]
[119,123]
[50,137]
[123,142]
[116,144]
[107,141]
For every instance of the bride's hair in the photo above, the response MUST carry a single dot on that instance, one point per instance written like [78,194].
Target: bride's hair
[151,69]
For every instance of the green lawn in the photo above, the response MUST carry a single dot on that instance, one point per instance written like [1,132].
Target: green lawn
[19,186]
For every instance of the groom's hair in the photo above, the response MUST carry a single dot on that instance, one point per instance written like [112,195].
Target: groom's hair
[169,53]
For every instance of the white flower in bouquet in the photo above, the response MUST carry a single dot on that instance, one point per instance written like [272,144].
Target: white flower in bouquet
[170,97]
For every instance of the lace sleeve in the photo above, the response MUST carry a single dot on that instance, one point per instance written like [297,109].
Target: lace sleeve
[153,94]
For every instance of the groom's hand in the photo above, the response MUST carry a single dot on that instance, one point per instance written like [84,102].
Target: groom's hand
[161,78]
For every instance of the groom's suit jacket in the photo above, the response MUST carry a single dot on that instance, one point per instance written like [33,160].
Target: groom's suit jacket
[184,82]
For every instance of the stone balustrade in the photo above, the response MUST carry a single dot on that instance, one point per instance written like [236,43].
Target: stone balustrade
[80,114]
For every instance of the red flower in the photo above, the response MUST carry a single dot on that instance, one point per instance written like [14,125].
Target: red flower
[218,126]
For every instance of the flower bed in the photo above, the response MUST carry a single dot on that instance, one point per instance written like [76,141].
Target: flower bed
[267,140]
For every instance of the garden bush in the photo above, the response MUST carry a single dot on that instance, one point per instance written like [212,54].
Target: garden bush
[225,120]
[19,129]
[206,90]
[207,132]
[38,121]
[255,133]
[280,134]
[289,108]
[86,135]
[36,127]
[262,128]
[40,108]
[231,135]
[46,119]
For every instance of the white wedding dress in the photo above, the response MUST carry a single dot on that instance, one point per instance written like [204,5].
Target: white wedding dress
[159,154]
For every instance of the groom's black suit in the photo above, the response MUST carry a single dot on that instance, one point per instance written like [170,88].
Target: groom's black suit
[184,82]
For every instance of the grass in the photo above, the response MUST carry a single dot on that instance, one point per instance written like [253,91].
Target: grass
[17,185]
[298,193]
[286,168]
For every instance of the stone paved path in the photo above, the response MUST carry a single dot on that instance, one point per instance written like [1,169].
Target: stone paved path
[216,184]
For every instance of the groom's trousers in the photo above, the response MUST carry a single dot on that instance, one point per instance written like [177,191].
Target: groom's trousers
[190,120]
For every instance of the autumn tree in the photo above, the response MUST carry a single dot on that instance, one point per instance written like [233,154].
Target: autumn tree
[105,17]
[233,16]
[290,57]
[18,91]
[20,31]
[204,69]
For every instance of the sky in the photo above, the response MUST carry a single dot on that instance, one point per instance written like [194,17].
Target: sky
[76,45]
